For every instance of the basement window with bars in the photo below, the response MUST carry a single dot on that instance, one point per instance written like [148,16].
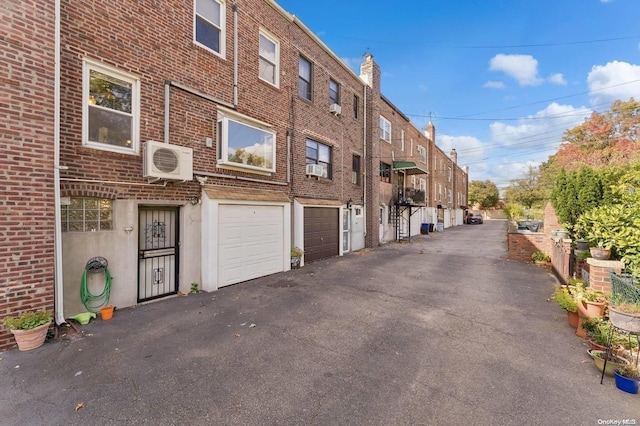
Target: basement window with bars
[87,214]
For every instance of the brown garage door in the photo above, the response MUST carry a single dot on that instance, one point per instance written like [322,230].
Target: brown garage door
[321,233]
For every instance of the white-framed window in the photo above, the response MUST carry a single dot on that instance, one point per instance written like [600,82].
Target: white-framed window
[111,99]
[413,181]
[385,129]
[439,192]
[334,92]
[209,25]
[355,169]
[402,140]
[269,69]
[87,215]
[449,174]
[319,153]
[411,148]
[450,197]
[423,154]
[305,75]
[423,187]
[245,142]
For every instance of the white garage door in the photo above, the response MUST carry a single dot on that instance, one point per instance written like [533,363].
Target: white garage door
[251,242]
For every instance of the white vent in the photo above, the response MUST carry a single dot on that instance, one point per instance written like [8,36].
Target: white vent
[315,170]
[335,109]
[164,161]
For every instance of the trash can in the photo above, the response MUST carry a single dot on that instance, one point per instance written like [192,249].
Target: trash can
[424,228]
[431,227]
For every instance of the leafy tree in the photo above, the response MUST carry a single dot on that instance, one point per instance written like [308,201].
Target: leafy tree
[485,193]
[526,191]
[579,191]
[605,139]
[617,225]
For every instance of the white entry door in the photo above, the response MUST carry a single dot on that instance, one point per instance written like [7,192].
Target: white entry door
[250,242]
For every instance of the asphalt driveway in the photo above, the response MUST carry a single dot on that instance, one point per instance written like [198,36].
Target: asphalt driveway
[441,330]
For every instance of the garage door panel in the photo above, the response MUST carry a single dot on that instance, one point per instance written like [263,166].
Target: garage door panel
[321,229]
[251,242]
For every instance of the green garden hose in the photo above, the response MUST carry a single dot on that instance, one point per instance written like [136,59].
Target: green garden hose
[89,300]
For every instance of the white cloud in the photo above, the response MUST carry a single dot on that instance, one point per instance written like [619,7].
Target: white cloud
[615,80]
[494,85]
[470,149]
[557,78]
[541,131]
[523,68]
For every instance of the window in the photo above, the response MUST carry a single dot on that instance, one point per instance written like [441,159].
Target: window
[423,187]
[450,197]
[334,92]
[411,148]
[385,129]
[385,172]
[245,142]
[304,78]
[111,112]
[355,170]
[269,59]
[356,106]
[319,153]
[449,175]
[209,25]
[423,154]
[87,215]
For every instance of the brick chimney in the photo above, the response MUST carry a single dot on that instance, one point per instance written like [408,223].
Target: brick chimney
[454,156]
[370,73]
[430,132]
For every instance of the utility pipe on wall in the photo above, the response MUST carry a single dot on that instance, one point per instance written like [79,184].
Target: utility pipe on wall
[57,250]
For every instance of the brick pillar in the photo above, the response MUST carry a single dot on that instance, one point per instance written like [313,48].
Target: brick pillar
[599,273]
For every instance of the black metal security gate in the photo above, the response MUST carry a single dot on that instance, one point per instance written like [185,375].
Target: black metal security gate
[158,252]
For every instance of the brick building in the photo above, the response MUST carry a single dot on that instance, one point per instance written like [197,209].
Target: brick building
[198,143]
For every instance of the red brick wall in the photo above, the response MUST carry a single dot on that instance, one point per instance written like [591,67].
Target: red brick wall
[521,246]
[27,163]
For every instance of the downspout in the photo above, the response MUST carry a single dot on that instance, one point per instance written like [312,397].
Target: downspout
[235,56]
[364,159]
[57,250]
[167,97]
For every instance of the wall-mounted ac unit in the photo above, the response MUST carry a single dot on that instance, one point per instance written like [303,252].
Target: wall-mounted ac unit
[315,170]
[164,161]
[335,109]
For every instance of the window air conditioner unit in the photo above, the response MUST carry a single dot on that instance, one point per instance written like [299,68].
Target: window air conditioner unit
[164,161]
[315,170]
[335,109]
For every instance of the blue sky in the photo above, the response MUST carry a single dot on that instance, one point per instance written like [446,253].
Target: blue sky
[500,79]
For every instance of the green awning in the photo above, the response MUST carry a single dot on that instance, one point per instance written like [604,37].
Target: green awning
[410,168]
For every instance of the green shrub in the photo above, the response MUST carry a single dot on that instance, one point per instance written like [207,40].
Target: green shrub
[564,299]
[28,320]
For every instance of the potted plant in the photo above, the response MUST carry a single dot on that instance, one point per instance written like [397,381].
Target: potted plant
[565,300]
[614,362]
[627,378]
[624,312]
[626,316]
[296,257]
[540,257]
[29,328]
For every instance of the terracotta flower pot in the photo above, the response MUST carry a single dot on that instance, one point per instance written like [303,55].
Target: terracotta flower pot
[572,319]
[31,339]
[594,309]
